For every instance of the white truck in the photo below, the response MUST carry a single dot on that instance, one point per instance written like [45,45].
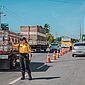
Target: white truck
[7,55]
[36,36]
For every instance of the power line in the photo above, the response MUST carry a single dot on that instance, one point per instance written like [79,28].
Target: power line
[66,2]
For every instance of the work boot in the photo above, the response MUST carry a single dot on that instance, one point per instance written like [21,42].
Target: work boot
[23,76]
[30,77]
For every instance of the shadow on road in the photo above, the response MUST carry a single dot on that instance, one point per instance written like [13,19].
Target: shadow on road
[46,78]
[38,67]
[80,55]
[34,66]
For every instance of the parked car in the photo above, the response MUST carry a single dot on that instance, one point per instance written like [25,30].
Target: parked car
[78,49]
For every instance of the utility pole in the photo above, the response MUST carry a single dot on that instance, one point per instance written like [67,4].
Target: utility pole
[80,33]
[0,15]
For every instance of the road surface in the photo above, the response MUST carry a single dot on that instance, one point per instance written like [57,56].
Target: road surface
[66,70]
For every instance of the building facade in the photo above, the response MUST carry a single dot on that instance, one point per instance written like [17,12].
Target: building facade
[35,34]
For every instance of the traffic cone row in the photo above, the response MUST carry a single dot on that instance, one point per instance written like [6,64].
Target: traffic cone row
[56,55]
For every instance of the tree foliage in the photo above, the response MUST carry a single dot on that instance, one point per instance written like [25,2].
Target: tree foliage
[49,38]
[47,27]
[58,38]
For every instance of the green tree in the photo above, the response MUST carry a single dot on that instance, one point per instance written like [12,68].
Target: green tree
[58,38]
[47,27]
[49,38]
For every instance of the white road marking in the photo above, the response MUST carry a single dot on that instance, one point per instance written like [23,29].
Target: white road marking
[14,81]
[40,66]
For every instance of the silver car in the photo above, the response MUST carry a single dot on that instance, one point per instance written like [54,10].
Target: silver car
[54,46]
[78,49]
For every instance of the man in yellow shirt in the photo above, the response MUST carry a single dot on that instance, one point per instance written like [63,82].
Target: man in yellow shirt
[24,50]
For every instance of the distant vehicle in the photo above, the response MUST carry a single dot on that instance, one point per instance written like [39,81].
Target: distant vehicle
[8,56]
[78,49]
[66,42]
[36,36]
[55,47]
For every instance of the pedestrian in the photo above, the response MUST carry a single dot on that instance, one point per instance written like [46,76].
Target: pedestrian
[24,52]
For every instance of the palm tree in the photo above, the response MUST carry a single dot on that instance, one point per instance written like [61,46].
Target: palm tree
[47,27]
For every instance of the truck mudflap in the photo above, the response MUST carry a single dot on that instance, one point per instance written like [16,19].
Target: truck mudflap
[4,62]
[8,61]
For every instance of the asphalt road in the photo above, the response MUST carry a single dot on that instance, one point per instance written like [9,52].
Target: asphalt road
[66,70]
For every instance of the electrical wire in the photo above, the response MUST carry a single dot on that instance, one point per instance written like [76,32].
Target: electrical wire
[67,2]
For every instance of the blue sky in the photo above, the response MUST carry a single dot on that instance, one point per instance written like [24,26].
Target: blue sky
[63,16]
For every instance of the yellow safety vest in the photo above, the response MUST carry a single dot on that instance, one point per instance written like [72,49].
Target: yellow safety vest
[23,48]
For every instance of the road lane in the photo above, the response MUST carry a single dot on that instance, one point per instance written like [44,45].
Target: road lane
[66,70]
[6,77]
[11,77]
[41,57]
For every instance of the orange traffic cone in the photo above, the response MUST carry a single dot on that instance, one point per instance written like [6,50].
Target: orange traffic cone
[64,50]
[48,58]
[54,55]
[57,54]
[60,54]
[69,50]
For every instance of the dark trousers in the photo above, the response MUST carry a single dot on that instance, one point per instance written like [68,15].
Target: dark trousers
[24,63]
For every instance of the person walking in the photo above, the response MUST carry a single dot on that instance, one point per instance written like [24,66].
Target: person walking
[24,52]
